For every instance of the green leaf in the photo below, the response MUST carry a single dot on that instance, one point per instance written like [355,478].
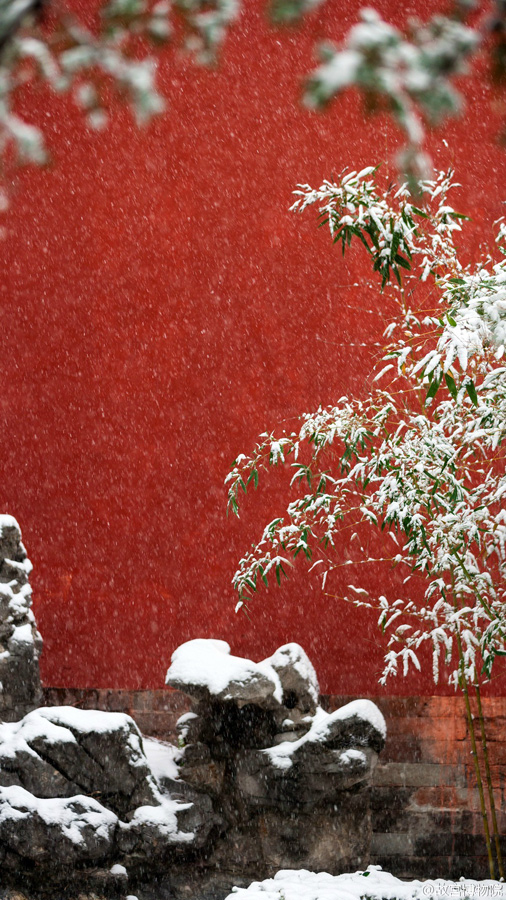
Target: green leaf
[359,234]
[451,320]
[487,667]
[371,231]
[402,262]
[471,390]
[433,388]
[450,383]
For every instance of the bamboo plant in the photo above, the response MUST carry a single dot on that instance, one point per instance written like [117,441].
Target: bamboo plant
[419,459]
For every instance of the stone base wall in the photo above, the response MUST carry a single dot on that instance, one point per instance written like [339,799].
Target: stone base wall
[425,804]
[156,712]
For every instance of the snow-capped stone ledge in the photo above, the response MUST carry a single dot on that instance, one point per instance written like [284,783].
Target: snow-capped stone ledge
[205,668]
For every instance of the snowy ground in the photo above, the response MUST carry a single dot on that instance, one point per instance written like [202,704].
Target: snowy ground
[373,884]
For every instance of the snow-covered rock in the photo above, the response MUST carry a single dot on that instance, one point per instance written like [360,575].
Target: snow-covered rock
[288,780]
[358,724]
[205,669]
[76,789]
[265,779]
[56,830]
[60,751]
[298,677]
[20,641]
[337,752]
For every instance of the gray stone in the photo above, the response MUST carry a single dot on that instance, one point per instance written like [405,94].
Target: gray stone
[317,776]
[289,782]
[78,790]
[353,731]
[320,842]
[268,780]
[298,678]
[205,671]
[60,751]
[110,750]
[55,833]
[20,641]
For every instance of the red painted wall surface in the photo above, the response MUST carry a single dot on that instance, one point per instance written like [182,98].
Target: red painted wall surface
[160,308]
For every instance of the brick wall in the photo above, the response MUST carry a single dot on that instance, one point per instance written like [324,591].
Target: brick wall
[156,712]
[425,804]
[426,808]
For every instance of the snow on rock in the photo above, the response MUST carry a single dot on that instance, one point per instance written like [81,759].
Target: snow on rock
[155,822]
[365,710]
[162,758]
[118,869]
[86,721]
[373,883]
[359,723]
[59,751]
[76,787]
[68,829]
[206,667]
[289,781]
[184,727]
[298,677]
[154,830]
[20,641]
[268,780]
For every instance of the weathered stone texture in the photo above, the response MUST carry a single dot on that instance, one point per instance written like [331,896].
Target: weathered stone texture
[426,817]
[267,780]
[289,782]
[423,795]
[77,790]
[20,641]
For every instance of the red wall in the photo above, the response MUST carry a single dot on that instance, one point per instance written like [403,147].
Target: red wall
[160,308]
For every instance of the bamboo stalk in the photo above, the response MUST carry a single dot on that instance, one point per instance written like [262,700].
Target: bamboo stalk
[489,784]
[472,734]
